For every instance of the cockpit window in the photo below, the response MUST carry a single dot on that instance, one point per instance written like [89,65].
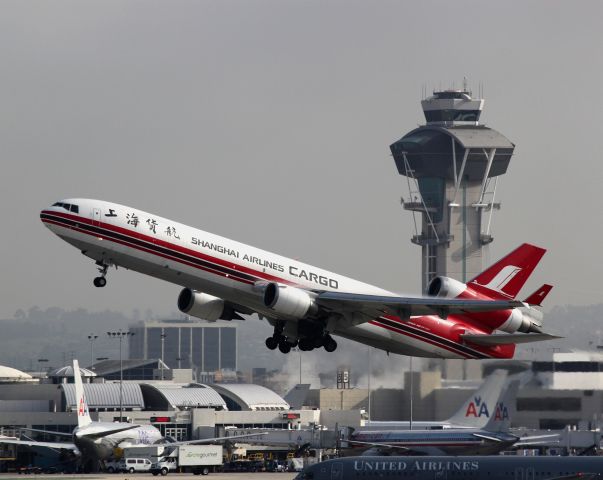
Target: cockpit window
[67,206]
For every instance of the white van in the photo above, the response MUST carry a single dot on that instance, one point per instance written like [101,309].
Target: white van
[132,465]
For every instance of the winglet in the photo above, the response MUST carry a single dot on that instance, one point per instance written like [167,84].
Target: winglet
[83,413]
[539,295]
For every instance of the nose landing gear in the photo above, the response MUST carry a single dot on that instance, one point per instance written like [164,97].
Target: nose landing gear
[102,268]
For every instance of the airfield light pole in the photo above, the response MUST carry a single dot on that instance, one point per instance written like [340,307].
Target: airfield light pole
[92,338]
[162,351]
[120,334]
[369,381]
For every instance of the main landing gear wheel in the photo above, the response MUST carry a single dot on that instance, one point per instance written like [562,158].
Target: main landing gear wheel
[329,344]
[284,347]
[100,282]
[272,343]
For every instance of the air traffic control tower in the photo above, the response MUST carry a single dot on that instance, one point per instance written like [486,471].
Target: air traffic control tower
[452,165]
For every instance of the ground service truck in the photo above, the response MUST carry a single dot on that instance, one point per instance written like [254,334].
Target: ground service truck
[195,459]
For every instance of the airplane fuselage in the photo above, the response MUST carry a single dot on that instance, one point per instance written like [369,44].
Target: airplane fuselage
[103,447]
[433,442]
[114,234]
[495,467]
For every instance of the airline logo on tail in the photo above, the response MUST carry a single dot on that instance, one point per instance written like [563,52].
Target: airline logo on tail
[502,412]
[477,409]
[82,410]
[500,281]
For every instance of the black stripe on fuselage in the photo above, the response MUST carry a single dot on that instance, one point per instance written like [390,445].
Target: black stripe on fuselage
[106,233]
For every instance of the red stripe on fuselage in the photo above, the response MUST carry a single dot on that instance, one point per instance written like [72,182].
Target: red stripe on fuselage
[168,245]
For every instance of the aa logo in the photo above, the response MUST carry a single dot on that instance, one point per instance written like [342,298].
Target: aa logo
[477,408]
[502,413]
[83,408]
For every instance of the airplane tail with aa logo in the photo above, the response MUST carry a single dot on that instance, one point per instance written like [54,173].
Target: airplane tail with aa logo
[83,413]
[500,418]
[477,409]
[506,277]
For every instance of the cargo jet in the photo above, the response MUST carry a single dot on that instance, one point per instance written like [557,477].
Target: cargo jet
[306,305]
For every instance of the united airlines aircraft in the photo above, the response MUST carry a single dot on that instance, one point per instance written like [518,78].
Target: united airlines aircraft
[306,305]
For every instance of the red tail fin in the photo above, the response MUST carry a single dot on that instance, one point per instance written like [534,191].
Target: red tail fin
[539,295]
[505,278]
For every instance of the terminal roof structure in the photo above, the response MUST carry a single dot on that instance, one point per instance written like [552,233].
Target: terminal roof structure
[245,396]
[105,396]
[181,397]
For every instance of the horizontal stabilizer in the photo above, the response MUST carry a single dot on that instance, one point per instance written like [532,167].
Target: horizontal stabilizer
[507,338]
[539,295]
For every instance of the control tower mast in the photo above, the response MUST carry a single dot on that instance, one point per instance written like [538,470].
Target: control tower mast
[452,165]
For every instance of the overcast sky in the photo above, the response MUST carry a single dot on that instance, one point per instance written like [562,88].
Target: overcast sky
[270,122]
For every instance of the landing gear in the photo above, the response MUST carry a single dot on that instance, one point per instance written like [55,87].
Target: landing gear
[329,344]
[100,282]
[272,343]
[284,346]
[102,268]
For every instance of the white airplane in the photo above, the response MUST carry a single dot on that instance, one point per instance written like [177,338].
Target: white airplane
[98,441]
[307,305]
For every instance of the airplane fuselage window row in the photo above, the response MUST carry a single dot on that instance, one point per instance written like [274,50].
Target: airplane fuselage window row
[67,206]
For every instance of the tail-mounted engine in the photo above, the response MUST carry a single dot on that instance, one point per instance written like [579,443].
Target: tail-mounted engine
[205,306]
[289,301]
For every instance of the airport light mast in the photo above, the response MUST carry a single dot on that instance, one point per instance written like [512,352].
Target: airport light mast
[452,165]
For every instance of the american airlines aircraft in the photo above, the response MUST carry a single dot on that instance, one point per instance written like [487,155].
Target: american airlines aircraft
[307,305]
[475,412]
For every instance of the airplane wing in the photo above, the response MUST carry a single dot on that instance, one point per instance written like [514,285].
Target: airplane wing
[537,440]
[373,306]
[492,438]
[33,443]
[379,445]
[507,338]
[207,440]
[106,433]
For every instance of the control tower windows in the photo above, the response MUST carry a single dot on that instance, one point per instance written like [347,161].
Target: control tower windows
[452,115]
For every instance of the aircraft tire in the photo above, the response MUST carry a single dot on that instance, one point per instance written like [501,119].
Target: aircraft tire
[100,282]
[284,347]
[271,343]
[330,345]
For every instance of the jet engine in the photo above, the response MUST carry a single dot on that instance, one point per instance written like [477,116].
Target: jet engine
[289,301]
[445,287]
[523,319]
[201,305]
